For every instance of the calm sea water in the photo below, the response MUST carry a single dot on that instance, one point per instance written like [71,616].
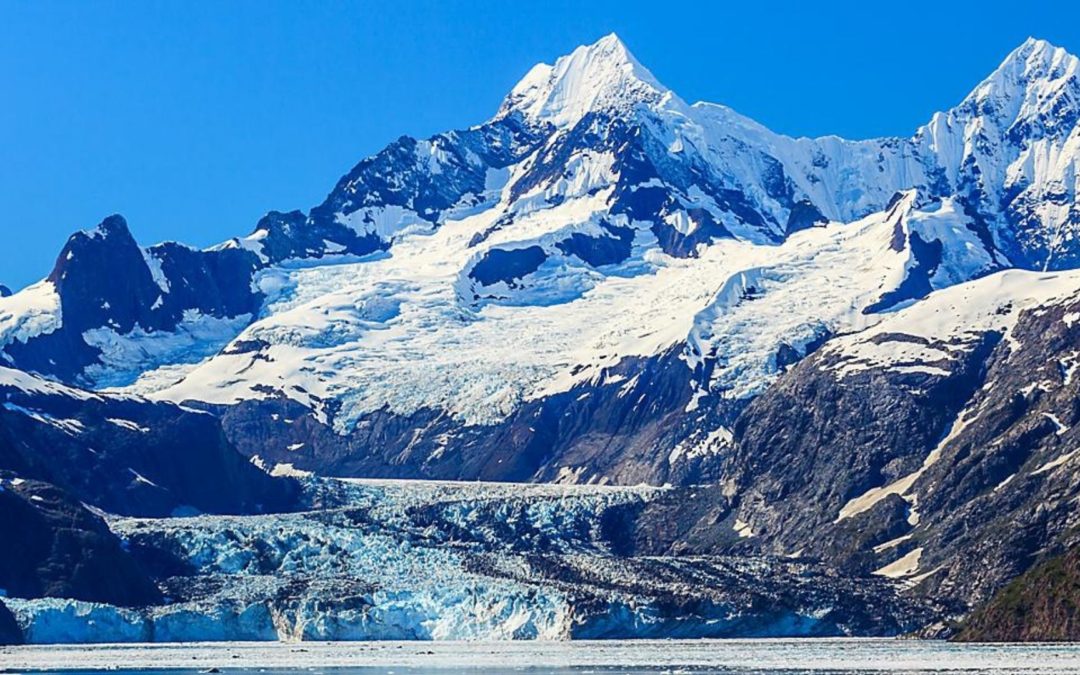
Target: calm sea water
[777,657]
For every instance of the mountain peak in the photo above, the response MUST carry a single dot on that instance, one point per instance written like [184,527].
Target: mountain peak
[1039,58]
[1035,67]
[1037,48]
[603,76]
[112,226]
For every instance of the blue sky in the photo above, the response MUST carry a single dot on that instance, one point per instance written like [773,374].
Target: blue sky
[194,118]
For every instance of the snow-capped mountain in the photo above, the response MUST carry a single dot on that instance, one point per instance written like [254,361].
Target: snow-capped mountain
[937,446]
[449,288]
[603,283]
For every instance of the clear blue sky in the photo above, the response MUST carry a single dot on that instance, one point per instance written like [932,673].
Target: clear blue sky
[194,118]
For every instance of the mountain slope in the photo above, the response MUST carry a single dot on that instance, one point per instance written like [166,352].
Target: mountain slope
[935,447]
[125,454]
[605,284]
[64,550]
[1038,606]
[449,290]
[595,122]
[69,456]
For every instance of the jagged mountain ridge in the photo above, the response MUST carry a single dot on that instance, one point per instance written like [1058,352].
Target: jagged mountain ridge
[592,183]
[603,283]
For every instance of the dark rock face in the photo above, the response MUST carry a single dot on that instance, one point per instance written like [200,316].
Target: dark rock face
[608,428]
[401,174]
[814,439]
[130,456]
[57,548]
[4,291]
[10,633]
[214,283]
[102,279]
[982,446]
[1002,494]
[804,215]
[916,285]
[599,251]
[291,235]
[1041,605]
[507,266]
[106,281]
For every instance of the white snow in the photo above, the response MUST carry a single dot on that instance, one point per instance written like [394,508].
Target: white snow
[126,357]
[127,424]
[70,426]
[1055,463]
[601,76]
[1061,428]
[394,331]
[281,470]
[23,381]
[714,442]
[951,321]
[141,478]
[153,263]
[31,312]
[743,529]
[905,566]
[1005,482]
[892,543]
[387,222]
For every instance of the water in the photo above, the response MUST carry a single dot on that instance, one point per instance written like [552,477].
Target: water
[776,657]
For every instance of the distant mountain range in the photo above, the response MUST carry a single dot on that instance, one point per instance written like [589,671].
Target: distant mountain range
[857,354]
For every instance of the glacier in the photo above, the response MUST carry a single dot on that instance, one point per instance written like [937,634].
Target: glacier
[409,560]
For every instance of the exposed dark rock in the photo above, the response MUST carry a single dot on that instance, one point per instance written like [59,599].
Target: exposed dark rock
[10,633]
[214,283]
[396,177]
[804,215]
[56,548]
[997,494]
[816,439]
[916,285]
[102,279]
[507,266]
[610,427]
[131,456]
[292,235]
[106,281]
[602,250]
[685,245]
